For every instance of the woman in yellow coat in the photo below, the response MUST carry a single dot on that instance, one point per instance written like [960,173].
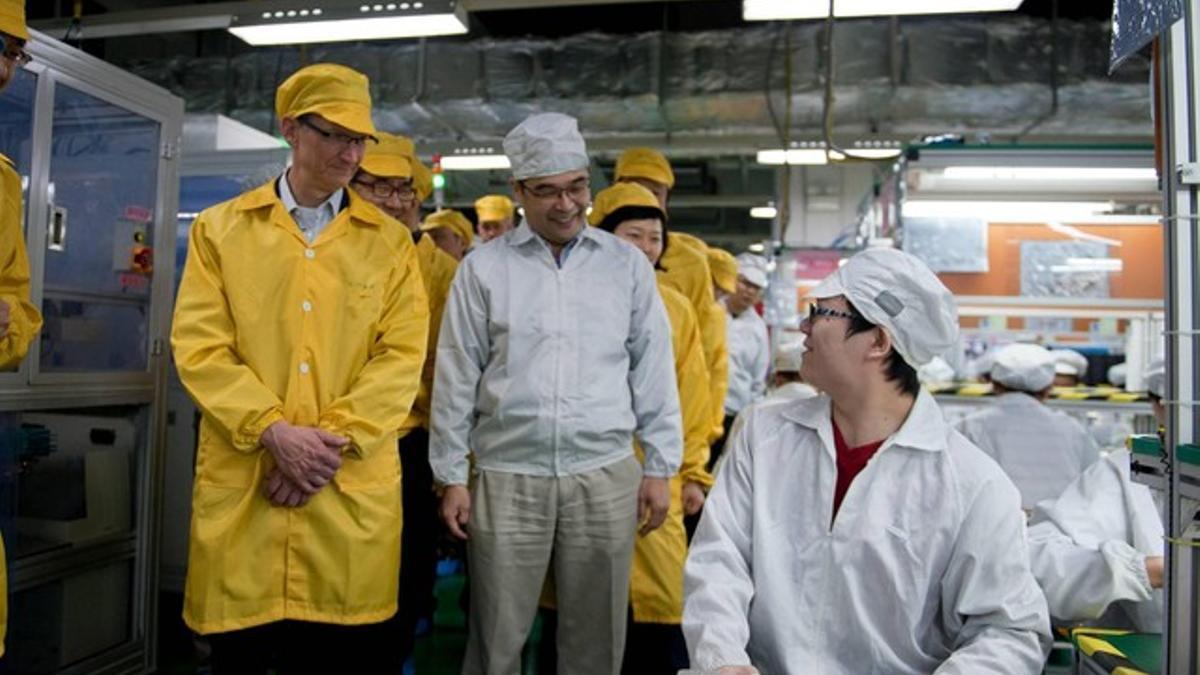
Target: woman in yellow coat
[19,320]
[655,642]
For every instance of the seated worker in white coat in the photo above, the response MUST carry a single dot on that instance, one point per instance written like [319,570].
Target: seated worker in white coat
[1041,450]
[856,532]
[1070,367]
[1097,550]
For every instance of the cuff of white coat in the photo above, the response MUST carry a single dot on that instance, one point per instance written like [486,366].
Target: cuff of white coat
[1133,561]
[249,437]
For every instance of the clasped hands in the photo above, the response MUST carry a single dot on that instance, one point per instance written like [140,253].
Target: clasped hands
[306,459]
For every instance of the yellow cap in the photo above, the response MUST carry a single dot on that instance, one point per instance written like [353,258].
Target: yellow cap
[494,207]
[336,93]
[12,18]
[452,219]
[620,195]
[645,163]
[724,269]
[391,157]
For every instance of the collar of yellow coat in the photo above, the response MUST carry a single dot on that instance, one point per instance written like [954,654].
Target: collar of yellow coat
[359,209]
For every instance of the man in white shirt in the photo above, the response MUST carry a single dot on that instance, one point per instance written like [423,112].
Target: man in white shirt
[855,532]
[749,346]
[555,352]
[1041,450]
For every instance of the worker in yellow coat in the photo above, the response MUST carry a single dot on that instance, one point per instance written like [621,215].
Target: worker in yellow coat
[451,231]
[684,267]
[20,321]
[724,269]
[392,178]
[300,330]
[496,215]
[655,643]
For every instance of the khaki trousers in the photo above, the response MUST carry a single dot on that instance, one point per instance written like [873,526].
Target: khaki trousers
[585,524]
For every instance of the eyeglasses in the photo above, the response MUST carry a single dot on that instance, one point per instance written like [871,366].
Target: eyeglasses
[338,138]
[815,310]
[576,191]
[384,190]
[14,52]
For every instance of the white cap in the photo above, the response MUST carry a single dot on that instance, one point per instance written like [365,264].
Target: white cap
[937,371]
[545,145]
[1069,362]
[753,268]
[895,290]
[1116,375]
[789,355]
[1156,378]
[1024,367]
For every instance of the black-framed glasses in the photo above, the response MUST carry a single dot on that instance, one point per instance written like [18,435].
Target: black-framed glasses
[576,191]
[342,140]
[815,310]
[384,190]
[14,51]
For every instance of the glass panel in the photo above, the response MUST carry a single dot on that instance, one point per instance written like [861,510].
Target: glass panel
[70,619]
[16,127]
[104,185]
[68,478]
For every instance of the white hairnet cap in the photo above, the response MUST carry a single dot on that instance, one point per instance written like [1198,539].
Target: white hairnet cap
[1156,378]
[545,145]
[937,371]
[1024,367]
[1116,375]
[895,290]
[789,355]
[753,268]
[1069,362]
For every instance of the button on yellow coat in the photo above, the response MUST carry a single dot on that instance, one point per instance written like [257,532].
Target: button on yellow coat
[251,352]
[656,580]
[24,319]
[437,271]
[686,270]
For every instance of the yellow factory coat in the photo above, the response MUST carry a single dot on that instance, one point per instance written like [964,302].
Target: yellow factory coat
[24,319]
[656,579]
[437,271]
[685,269]
[333,334]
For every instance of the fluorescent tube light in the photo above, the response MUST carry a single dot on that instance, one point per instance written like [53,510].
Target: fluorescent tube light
[1048,173]
[1034,212]
[756,248]
[1096,264]
[866,153]
[764,212]
[769,10]
[475,162]
[818,155]
[343,30]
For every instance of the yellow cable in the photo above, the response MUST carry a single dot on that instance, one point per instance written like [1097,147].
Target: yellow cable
[1189,543]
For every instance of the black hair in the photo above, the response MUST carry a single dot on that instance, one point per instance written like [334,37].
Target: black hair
[896,369]
[614,219]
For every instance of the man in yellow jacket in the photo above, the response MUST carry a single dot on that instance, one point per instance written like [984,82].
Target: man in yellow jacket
[684,267]
[392,178]
[19,320]
[496,215]
[300,331]
[451,231]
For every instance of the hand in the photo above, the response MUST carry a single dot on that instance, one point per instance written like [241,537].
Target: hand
[1154,570]
[456,510]
[5,319]
[306,456]
[693,498]
[654,498]
[281,492]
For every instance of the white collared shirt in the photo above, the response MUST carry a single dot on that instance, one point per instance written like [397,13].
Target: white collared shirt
[551,370]
[924,569]
[312,221]
[749,359]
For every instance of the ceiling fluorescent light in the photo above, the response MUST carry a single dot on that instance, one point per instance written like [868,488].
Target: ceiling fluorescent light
[307,23]
[1027,212]
[810,156]
[866,153]
[1080,265]
[1049,173]
[475,162]
[770,10]
[764,212]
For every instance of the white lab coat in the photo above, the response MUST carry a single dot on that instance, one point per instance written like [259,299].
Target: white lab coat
[1089,549]
[550,371]
[925,569]
[1041,450]
[792,391]
[749,359]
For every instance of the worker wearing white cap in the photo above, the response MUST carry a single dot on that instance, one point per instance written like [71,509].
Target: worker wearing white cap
[20,321]
[1097,549]
[786,362]
[1041,450]
[1070,367]
[749,346]
[810,558]
[555,355]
